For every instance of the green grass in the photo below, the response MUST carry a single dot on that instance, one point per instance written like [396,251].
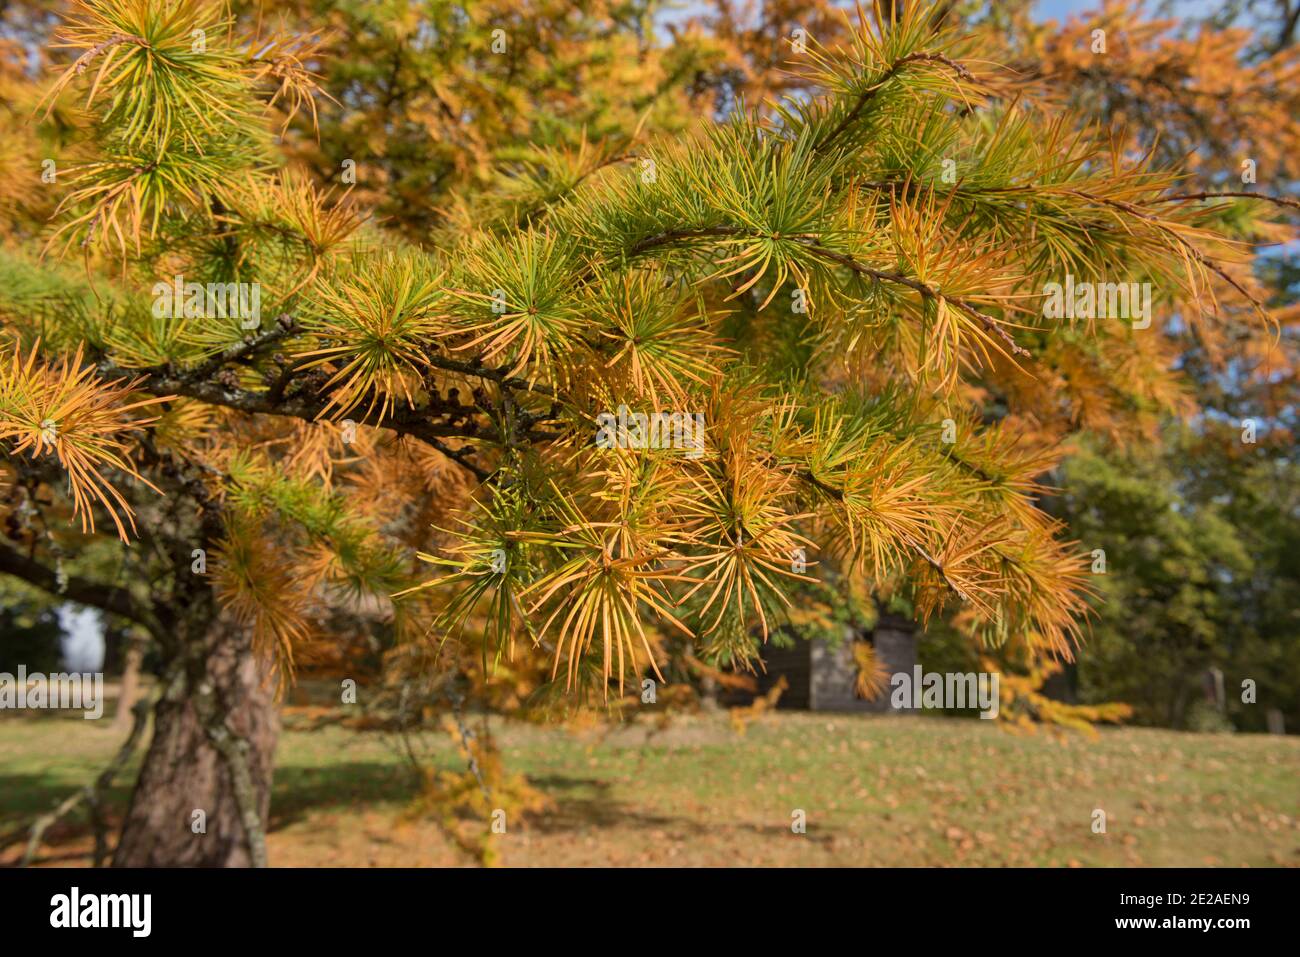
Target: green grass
[875,791]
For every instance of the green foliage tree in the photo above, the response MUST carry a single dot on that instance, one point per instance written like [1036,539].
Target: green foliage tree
[1200,573]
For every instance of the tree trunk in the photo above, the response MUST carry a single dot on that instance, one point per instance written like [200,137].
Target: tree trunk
[1178,706]
[215,730]
[708,693]
[130,684]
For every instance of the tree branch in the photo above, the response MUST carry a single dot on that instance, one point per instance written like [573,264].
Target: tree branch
[847,261]
[867,95]
[410,422]
[117,601]
[1267,197]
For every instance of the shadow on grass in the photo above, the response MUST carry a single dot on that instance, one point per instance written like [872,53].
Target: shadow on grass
[576,812]
[580,803]
[299,790]
[23,797]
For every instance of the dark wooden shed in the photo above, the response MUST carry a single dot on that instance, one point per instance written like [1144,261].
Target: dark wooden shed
[821,676]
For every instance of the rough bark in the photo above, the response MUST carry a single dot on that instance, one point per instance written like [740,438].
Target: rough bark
[215,731]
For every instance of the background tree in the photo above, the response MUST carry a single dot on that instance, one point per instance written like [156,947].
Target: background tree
[1200,543]
[1222,103]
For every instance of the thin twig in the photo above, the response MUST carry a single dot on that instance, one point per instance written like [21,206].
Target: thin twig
[1193,197]
[867,95]
[92,795]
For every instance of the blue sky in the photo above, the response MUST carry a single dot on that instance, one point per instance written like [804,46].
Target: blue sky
[1045,10]
[1063,9]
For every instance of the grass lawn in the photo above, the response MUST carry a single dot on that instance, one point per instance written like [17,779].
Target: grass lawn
[875,790]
